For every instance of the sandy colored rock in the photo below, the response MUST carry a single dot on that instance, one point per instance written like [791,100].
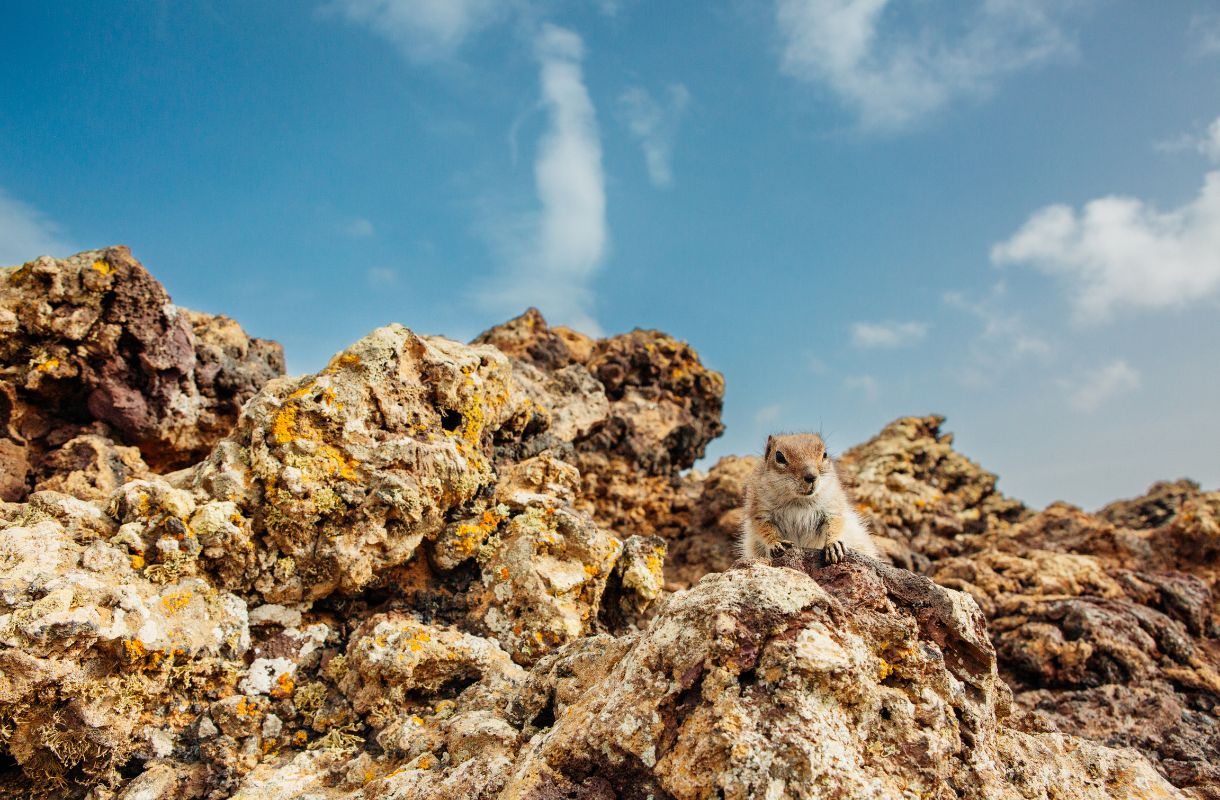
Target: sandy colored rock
[921,492]
[543,579]
[340,475]
[708,543]
[90,467]
[93,648]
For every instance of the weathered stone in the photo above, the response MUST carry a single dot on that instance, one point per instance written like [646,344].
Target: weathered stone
[344,473]
[92,345]
[921,492]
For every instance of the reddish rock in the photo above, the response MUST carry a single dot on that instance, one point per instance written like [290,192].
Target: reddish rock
[92,345]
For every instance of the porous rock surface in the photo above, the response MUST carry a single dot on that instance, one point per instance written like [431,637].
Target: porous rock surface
[92,346]
[440,570]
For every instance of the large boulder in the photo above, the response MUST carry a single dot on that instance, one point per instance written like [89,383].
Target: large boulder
[92,345]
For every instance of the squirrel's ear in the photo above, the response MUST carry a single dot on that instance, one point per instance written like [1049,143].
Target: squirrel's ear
[770,446]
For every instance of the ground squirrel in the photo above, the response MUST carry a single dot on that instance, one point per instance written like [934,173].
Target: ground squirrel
[794,497]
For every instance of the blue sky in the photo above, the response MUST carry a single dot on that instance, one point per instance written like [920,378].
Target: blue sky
[1006,211]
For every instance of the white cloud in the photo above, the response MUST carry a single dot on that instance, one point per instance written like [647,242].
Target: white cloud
[866,385]
[1004,340]
[1208,144]
[1097,386]
[423,30]
[894,64]
[655,126]
[381,277]
[359,228]
[557,253]
[25,233]
[1122,253]
[1205,33]
[888,334]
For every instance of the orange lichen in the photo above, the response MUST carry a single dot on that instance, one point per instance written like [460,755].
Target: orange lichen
[103,267]
[137,561]
[284,686]
[470,535]
[47,365]
[246,708]
[134,650]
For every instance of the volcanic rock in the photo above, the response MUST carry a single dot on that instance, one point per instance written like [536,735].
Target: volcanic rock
[91,345]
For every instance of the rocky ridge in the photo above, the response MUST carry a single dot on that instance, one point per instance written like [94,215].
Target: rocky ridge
[436,569]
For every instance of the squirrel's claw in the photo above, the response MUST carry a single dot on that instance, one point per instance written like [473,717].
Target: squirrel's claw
[779,548]
[834,552]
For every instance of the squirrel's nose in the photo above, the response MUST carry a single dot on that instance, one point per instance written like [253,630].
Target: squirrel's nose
[810,478]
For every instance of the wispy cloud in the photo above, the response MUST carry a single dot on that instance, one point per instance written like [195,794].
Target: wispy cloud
[559,251]
[866,385]
[895,65]
[359,228]
[654,125]
[1095,387]
[1004,339]
[26,233]
[423,30]
[1122,253]
[1205,33]
[888,334]
[1206,144]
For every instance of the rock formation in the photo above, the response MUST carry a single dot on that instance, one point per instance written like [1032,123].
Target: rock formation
[441,570]
[91,346]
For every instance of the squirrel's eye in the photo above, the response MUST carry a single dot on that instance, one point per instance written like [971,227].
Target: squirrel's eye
[779,457]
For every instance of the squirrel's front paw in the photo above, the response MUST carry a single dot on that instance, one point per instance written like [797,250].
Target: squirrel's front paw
[778,548]
[834,552]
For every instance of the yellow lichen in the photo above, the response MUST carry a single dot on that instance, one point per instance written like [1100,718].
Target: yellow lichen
[284,424]
[137,561]
[103,267]
[47,365]
[176,601]
[341,361]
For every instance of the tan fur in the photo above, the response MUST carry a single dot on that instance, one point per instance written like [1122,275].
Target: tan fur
[794,497]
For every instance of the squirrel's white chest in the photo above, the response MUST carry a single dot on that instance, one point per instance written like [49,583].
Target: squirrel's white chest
[801,523]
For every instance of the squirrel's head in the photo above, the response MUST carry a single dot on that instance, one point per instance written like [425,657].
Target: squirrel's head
[797,461]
